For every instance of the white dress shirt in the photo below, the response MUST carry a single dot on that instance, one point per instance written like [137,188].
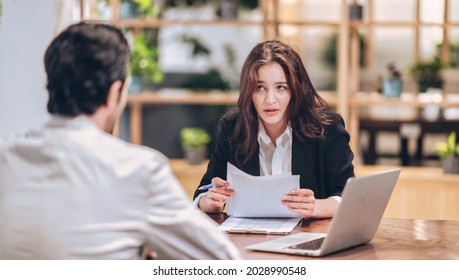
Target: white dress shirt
[276,159]
[71,191]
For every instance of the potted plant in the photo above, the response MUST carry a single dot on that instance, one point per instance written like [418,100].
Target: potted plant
[450,71]
[194,141]
[392,85]
[139,8]
[427,74]
[223,76]
[448,152]
[147,8]
[143,64]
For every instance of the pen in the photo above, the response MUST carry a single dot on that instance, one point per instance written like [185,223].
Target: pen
[205,187]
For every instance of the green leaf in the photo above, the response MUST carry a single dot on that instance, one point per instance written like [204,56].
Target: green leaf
[449,147]
[144,61]
[194,137]
[147,8]
[451,142]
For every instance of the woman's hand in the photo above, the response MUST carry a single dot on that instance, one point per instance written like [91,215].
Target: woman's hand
[215,198]
[304,203]
[301,201]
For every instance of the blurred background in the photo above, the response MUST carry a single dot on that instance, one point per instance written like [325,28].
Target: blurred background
[390,67]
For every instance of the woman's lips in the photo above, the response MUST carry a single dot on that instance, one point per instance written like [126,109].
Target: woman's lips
[271,112]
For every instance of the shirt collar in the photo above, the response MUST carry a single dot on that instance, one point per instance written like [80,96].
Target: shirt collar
[75,122]
[263,136]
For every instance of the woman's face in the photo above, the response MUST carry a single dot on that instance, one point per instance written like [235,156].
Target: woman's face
[272,96]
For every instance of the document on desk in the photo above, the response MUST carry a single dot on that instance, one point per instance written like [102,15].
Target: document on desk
[259,196]
[259,225]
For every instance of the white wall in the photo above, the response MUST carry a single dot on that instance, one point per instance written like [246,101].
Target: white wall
[26,29]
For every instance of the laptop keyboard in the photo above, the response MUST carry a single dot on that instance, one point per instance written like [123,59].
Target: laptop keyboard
[309,245]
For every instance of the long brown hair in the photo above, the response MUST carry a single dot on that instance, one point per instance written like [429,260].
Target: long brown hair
[306,112]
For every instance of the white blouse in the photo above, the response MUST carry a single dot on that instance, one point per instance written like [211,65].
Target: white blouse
[276,159]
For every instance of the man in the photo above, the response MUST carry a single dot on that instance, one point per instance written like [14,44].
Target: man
[70,190]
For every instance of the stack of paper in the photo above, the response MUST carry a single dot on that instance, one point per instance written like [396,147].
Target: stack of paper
[256,206]
[259,225]
[259,196]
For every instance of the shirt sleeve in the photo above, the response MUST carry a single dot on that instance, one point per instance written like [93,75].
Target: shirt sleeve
[176,228]
[337,198]
[196,199]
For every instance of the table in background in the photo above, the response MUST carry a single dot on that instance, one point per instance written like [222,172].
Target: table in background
[396,239]
[363,101]
[373,127]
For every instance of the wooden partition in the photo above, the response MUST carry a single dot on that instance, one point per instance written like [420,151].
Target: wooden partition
[421,193]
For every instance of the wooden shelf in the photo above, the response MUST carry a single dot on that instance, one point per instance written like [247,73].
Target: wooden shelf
[306,23]
[142,23]
[406,100]
[397,24]
[197,98]
[172,96]
[96,20]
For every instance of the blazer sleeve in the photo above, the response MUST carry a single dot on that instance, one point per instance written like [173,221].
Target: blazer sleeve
[219,158]
[338,158]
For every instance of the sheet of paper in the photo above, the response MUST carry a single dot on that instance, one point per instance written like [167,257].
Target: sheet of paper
[259,196]
[259,225]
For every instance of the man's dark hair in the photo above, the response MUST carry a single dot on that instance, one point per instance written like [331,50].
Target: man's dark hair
[81,64]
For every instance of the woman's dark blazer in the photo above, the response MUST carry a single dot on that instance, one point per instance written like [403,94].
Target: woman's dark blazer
[324,165]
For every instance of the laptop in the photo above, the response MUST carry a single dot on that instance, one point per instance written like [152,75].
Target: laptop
[364,200]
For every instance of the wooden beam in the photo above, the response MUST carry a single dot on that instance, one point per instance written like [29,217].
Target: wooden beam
[343,62]
[369,50]
[81,10]
[416,51]
[136,123]
[445,43]
[116,17]
[264,11]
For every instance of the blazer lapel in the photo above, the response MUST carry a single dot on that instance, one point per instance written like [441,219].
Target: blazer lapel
[252,166]
[301,155]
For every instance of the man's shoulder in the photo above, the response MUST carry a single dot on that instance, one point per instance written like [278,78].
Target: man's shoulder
[10,140]
[127,151]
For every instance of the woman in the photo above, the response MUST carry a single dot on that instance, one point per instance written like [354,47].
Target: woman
[281,125]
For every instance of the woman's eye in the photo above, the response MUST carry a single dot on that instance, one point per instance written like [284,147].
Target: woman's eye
[260,87]
[282,88]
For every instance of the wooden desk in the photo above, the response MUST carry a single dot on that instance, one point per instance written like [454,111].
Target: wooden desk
[396,239]
[420,193]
